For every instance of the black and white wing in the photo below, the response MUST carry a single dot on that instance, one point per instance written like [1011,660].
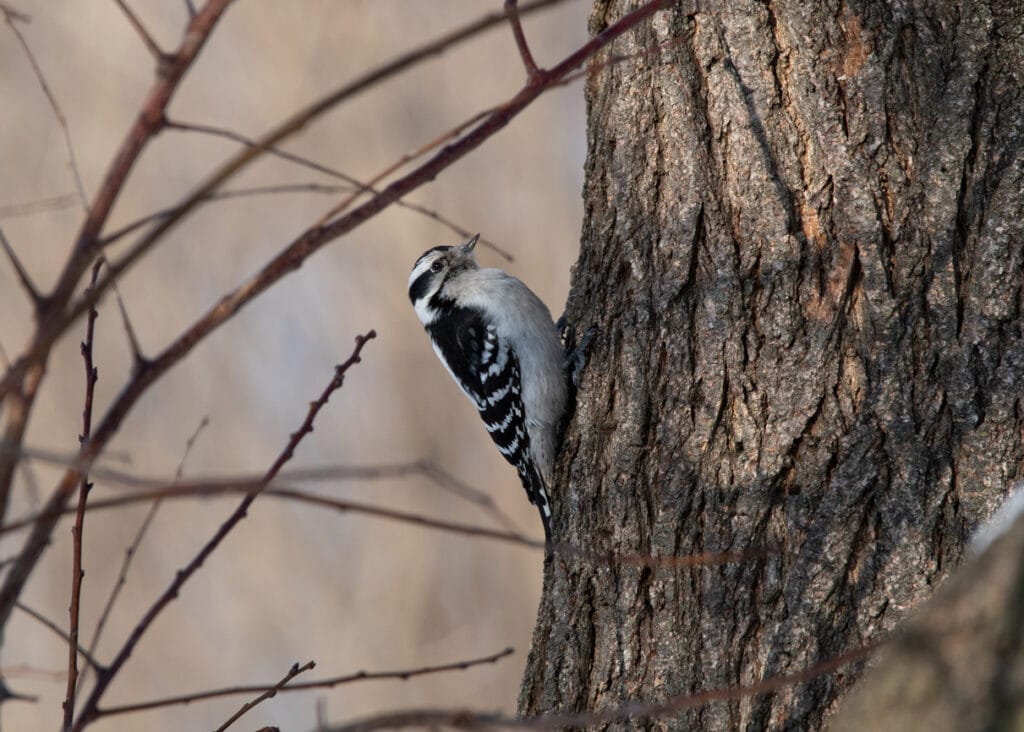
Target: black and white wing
[487,370]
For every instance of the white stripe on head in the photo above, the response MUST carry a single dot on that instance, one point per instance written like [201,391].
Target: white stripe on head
[433,280]
[422,265]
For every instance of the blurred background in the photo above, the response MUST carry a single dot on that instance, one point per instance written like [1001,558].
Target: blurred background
[292,583]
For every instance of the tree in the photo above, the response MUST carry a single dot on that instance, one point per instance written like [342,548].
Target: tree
[802,248]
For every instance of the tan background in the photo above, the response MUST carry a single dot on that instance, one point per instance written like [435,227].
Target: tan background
[291,583]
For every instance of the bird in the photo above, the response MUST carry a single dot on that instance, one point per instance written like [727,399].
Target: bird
[497,340]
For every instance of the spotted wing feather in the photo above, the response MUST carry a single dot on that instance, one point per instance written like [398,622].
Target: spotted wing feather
[487,370]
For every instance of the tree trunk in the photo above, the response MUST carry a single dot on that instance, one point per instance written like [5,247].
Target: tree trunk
[802,248]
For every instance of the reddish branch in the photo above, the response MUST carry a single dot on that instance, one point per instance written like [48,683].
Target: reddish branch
[355,183]
[512,11]
[91,375]
[147,124]
[89,709]
[612,559]
[468,719]
[144,34]
[294,671]
[329,683]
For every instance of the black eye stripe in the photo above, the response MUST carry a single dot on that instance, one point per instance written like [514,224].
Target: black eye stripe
[419,287]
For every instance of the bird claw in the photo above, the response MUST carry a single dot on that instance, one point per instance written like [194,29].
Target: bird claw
[575,354]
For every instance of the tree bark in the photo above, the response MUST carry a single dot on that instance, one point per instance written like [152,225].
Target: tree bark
[802,247]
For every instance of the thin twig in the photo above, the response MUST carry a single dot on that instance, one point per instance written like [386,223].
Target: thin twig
[334,173]
[42,619]
[18,408]
[89,708]
[77,573]
[26,281]
[144,34]
[512,11]
[10,17]
[191,490]
[448,136]
[294,671]
[222,196]
[42,674]
[42,205]
[468,719]
[190,8]
[328,683]
[11,14]
[424,467]
[618,58]
[277,490]
[138,359]
[129,554]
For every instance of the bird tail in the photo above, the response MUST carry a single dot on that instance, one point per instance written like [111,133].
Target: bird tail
[537,492]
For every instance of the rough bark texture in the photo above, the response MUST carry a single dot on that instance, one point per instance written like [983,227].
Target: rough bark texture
[803,248]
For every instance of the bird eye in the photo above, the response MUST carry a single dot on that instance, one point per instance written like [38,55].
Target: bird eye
[437,266]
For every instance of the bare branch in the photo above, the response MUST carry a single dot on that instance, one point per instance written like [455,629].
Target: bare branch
[147,124]
[468,719]
[328,683]
[42,619]
[147,39]
[300,188]
[617,58]
[334,173]
[191,490]
[277,490]
[89,708]
[220,196]
[10,14]
[425,467]
[26,281]
[138,359]
[18,410]
[512,11]
[294,671]
[43,674]
[77,573]
[53,203]
[7,695]
[10,17]
[408,157]
[190,8]
[129,554]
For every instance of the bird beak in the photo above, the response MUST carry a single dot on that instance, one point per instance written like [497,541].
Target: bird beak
[467,248]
